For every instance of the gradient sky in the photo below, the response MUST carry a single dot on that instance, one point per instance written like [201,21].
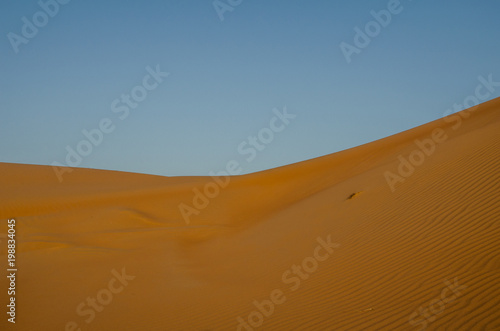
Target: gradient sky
[227,76]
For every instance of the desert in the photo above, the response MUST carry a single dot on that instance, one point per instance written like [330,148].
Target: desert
[331,243]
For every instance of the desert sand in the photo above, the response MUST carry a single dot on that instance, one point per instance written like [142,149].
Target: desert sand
[398,234]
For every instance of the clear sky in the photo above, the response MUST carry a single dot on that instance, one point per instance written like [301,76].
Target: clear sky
[62,70]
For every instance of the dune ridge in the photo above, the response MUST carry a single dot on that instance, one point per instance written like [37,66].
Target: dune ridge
[398,248]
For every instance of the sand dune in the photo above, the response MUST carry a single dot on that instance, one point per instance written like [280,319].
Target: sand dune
[398,234]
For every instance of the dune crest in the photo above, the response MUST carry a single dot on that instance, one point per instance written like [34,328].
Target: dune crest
[398,234]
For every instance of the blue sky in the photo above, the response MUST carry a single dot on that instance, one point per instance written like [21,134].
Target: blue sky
[226,77]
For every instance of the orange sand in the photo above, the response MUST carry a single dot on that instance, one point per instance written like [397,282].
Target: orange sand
[397,252]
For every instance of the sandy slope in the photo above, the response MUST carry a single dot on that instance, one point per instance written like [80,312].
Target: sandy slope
[425,253]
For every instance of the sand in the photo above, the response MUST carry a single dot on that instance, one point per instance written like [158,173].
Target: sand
[345,241]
